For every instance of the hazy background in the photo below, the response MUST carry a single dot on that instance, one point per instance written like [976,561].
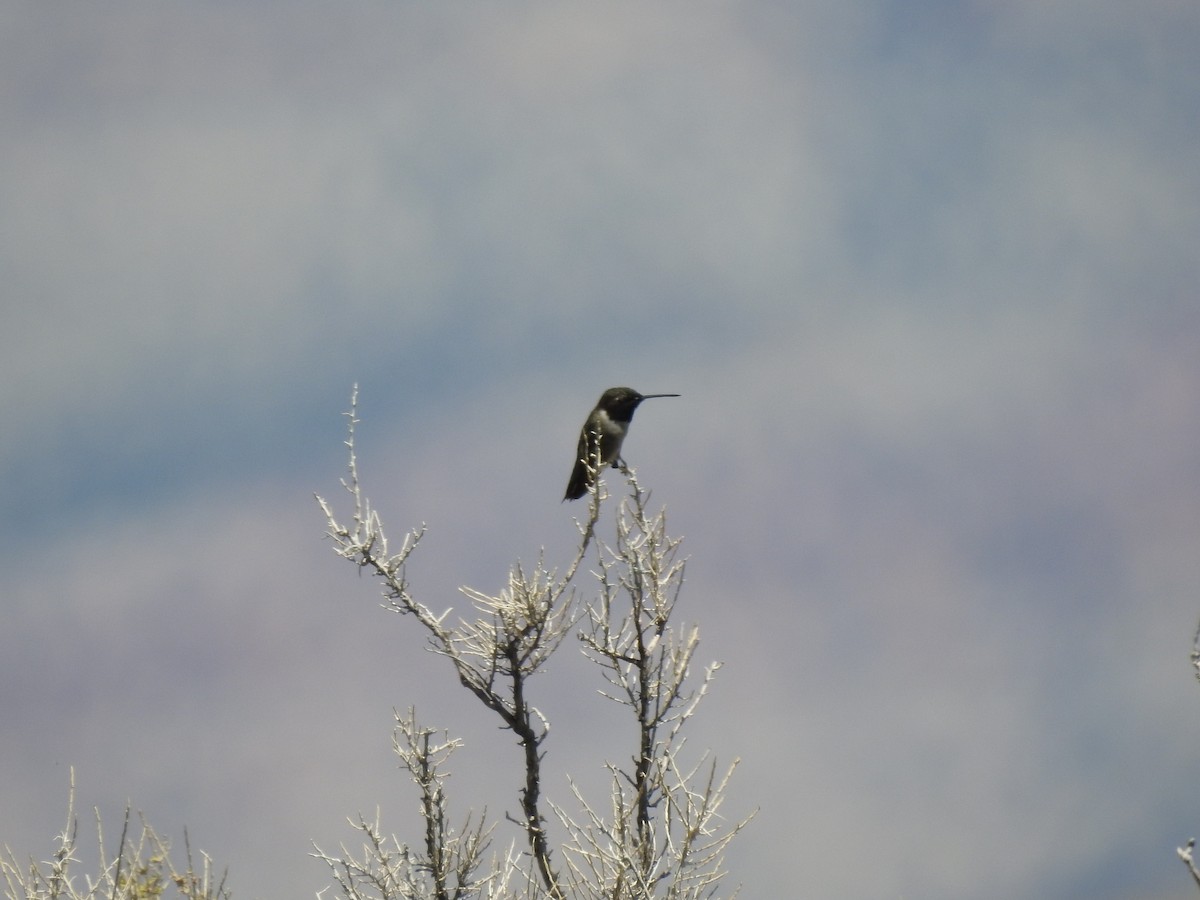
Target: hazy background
[925,274]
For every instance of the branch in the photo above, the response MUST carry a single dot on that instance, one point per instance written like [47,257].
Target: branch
[1186,854]
[662,830]
[494,655]
[138,870]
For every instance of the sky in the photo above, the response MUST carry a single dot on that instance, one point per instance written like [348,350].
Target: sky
[924,273]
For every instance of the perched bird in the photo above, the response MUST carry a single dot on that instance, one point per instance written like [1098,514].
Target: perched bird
[607,424]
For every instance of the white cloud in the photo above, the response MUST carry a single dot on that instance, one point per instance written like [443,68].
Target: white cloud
[934,460]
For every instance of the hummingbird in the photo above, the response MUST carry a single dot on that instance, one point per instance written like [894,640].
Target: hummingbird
[607,424]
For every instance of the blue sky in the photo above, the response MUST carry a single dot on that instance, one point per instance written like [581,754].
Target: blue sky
[924,273]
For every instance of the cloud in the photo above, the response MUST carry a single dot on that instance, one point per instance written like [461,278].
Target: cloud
[922,280]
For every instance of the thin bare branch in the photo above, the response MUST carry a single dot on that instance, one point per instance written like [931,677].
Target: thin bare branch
[661,833]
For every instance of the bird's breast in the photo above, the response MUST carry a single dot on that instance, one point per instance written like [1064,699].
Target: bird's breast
[606,424]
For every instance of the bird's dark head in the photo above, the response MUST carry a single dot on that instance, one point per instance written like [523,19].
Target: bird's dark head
[620,402]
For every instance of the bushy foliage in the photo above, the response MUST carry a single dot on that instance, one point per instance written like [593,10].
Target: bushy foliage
[139,869]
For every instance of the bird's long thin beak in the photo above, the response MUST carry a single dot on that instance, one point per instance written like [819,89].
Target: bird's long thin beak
[651,396]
